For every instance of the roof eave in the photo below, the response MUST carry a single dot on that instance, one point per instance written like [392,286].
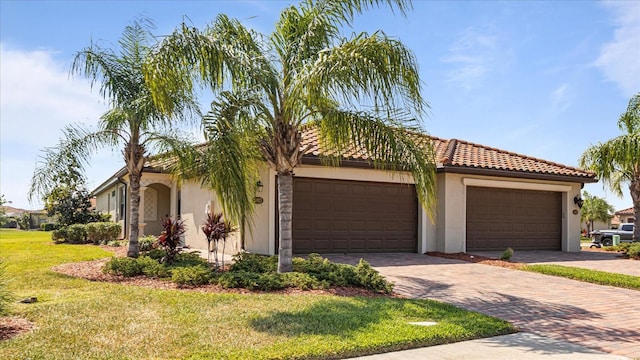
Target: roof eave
[515,174]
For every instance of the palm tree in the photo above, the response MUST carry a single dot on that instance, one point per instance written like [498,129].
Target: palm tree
[133,123]
[617,161]
[305,73]
[595,209]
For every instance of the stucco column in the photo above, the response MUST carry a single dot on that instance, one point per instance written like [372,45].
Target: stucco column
[173,210]
[141,223]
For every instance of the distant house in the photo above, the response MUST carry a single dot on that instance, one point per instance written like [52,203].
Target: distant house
[622,216]
[37,217]
[487,199]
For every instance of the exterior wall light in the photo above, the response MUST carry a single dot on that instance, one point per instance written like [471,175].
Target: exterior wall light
[578,201]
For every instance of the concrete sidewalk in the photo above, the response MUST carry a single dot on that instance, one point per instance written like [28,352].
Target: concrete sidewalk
[521,346]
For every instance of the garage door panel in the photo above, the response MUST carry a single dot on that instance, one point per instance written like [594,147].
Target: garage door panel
[350,216]
[521,219]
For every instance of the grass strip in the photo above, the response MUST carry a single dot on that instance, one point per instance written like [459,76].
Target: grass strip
[587,275]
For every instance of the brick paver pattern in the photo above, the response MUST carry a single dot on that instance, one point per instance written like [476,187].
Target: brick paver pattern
[599,317]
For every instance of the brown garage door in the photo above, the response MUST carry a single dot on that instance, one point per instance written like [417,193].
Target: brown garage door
[336,216]
[520,219]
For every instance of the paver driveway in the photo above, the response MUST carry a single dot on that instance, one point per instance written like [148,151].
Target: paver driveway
[599,317]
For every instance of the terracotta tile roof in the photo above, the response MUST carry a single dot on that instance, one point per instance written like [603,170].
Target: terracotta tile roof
[451,155]
[628,211]
[458,154]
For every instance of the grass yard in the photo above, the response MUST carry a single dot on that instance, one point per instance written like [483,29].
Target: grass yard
[79,319]
[587,275]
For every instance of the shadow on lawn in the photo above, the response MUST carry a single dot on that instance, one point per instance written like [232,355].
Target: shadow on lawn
[326,317]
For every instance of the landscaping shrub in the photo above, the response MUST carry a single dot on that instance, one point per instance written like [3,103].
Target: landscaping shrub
[59,235]
[146,243]
[245,261]
[191,276]
[370,278]
[123,266]
[634,251]
[189,259]
[47,226]
[303,281]
[114,243]
[156,254]
[251,280]
[76,234]
[102,232]
[169,238]
[507,254]
[152,268]
[6,297]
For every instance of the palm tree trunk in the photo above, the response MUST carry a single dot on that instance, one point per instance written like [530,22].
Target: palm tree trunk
[634,188]
[134,159]
[134,229]
[285,207]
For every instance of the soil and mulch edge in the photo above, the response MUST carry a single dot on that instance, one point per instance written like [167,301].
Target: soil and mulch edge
[478,259]
[12,326]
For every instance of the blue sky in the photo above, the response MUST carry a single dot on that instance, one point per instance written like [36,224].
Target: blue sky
[541,78]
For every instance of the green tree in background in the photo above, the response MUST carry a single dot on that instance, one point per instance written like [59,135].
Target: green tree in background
[617,161]
[594,209]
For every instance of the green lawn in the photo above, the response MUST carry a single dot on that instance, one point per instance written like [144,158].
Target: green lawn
[587,275]
[79,319]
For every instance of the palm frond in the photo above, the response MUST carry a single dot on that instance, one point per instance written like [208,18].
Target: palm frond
[390,143]
[368,68]
[72,153]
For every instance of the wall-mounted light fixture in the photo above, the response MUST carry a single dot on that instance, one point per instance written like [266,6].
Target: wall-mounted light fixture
[578,201]
[259,186]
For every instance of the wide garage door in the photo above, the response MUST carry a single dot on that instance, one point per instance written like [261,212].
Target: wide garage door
[520,219]
[337,216]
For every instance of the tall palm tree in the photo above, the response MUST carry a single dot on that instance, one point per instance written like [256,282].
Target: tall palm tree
[617,161]
[133,124]
[595,209]
[359,92]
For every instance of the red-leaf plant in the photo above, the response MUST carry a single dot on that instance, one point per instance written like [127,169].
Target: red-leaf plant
[170,238]
[216,230]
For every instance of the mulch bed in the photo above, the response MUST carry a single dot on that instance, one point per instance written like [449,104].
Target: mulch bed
[478,259]
[11,326]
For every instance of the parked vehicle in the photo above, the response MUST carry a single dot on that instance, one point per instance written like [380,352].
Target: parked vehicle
[605,237]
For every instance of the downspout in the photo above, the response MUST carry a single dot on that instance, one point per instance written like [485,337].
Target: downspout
[126,192]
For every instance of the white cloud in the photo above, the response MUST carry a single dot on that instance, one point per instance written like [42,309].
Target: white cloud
[472,56]
[37,99]
[619,59]
[561,98]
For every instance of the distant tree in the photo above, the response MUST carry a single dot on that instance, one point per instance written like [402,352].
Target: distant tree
[617,161]
[70,206]
[595,209]
[133,123]
[3,212]
[24,221]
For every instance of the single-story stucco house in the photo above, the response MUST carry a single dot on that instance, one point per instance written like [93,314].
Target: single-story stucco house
[623,216]
[487,199]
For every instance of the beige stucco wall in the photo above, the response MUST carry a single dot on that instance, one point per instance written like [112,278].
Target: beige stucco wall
[194,200]
[451,233]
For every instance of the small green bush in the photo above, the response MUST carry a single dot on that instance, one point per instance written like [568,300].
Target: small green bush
[507,254]
[156,254]
[59,235]
[152,268]
[191,276]
[189,259]
[6,297]
[47,226]
[146,242]
[634,250]
[102,232]
[114,243]
[123,266]
[76,234]
[245,261]
[303,281]
[370,278]
[252,281]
